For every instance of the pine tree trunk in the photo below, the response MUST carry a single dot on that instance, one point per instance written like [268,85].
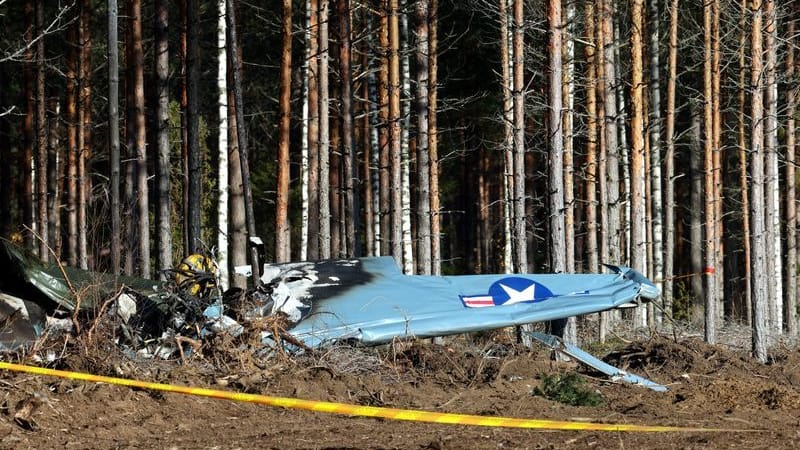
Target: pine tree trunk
[790,305]
[591,140]
[164,211]
[395,133]
[324,136]
[709,192]
[405,153]
[771,177]
[637,201]
[223,183]
[423,166]
[193,126]
[655,151]
[140,141]
[282,230]
[384,168]
[518,64]
[241,135]
[237,223]
[669,163]
[761,328]
[113,133]
[433,136]
[27,190]
[743,183]
[612,203]
[41,139]
[71,104]
[184,99]
[351,203]
[506,57]
[312,42]
[85,133]
[568,99]
[603,86]
[716,94]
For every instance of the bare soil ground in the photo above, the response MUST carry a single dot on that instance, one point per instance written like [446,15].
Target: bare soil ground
[709,387]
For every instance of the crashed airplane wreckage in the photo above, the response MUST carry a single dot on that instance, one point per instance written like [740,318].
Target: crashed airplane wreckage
[366,300]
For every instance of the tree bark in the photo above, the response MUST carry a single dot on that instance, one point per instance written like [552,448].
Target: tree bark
[710,207]
[743,183]
[394,133]
[771,177]
[282,230]
[637,201]
[761,328]
[140,141]
[351,203]
[164,211]
[669,163]
[520,238]
[656,181]
[223,183]
[590,50]
[241,134]
[41,139]
[324,136]
[312,37]
[433,136]
[423,165]
[790,305]
[194,205]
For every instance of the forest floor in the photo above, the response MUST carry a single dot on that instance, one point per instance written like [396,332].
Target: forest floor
[709,387]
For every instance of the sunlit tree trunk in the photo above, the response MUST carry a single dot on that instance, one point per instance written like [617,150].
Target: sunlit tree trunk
[164,210]
[312,43]
[566,328]
[241,135]
[351,203]
[140,141]
[669,162]
[771,177]
[790,305]
[761,328]
[282,230]
[433,137]
[384,138]
[423,165]
[655,149]
[506,57]
[324,136]
[394,132]
[223,183]
[518,96]
[590,50]
[709,192]
[717,157]
[405,154]
[637,201]
[743,183]
[612,204]
[602,154]
[568,98]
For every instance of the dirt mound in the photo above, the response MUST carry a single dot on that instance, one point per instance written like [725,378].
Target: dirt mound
[709,387]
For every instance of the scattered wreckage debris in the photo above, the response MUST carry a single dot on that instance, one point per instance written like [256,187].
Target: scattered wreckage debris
[302,306]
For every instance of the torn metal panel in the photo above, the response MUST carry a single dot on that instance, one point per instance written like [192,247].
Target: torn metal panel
[370,301]
[27,277]
[21,322]
[615,373]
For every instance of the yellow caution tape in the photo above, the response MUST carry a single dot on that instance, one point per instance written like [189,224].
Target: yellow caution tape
[353,410]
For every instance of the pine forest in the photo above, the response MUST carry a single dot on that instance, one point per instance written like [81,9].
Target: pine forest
[458,136]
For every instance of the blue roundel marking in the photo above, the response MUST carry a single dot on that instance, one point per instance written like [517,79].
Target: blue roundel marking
[512,290]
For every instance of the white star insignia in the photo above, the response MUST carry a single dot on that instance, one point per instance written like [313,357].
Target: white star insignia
[515,296]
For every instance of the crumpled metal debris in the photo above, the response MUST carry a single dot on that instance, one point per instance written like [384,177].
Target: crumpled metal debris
[314,304]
